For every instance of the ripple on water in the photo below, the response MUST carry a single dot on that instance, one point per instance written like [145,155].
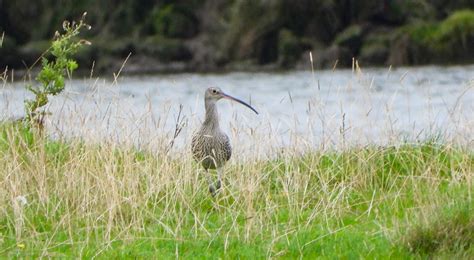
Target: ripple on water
[328,108]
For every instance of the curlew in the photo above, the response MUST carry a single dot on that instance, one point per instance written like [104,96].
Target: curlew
[210,146]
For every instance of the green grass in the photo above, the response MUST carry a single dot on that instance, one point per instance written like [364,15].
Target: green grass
[112,201]
[449,230]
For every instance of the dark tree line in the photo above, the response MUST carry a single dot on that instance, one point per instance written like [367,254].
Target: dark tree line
[244,34]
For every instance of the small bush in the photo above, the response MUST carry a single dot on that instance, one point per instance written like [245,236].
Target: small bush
[174,22]
[449,230]
[458,29]
[449,40]
[51,76]
[289,48]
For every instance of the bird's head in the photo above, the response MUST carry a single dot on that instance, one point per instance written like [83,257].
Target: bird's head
[213,94]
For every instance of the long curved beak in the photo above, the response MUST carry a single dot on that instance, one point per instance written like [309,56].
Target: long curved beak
[239,101]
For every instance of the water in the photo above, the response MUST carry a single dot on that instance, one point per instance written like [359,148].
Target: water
[298,108]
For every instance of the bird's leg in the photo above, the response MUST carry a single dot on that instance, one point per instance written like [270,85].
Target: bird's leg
[219,178]
[212,189]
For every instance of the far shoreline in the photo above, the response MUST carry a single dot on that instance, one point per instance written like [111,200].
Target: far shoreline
[132,70]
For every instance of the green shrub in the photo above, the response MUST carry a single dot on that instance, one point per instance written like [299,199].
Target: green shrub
[172,22]
[457,29]
[51,76]
[289,48]
[447,230]
[449,40]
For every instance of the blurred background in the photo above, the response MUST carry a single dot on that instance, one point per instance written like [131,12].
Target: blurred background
[262,47]
[250,35]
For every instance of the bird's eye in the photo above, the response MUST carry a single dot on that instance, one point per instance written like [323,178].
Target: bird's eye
[214,91]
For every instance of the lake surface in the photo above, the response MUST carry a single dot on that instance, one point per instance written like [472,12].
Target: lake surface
[297,109]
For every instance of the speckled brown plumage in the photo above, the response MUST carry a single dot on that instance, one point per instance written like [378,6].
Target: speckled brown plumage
[211,149]
[210,146]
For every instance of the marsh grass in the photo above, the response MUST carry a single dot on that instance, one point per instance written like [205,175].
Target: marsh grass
[71,195]
[443,230]
[110,200]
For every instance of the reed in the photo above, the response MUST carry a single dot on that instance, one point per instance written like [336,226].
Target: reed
[69,197]
[111,182]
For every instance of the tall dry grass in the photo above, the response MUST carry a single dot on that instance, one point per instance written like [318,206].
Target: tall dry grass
[72,192]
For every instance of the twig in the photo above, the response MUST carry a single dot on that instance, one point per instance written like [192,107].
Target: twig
[180,123]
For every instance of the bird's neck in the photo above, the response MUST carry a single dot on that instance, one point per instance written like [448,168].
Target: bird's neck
[212,117]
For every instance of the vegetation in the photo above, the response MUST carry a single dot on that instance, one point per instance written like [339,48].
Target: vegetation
[51,76]
[445,230]
[440,42]
[69,198]
[210,35]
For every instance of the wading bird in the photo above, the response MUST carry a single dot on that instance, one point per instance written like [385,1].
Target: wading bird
[210,146]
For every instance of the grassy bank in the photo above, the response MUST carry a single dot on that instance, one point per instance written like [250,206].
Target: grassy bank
[71,199]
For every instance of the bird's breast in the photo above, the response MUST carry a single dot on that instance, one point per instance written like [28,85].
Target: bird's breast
[211,149]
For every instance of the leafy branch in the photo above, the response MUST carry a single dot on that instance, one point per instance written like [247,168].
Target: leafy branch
[52,74]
